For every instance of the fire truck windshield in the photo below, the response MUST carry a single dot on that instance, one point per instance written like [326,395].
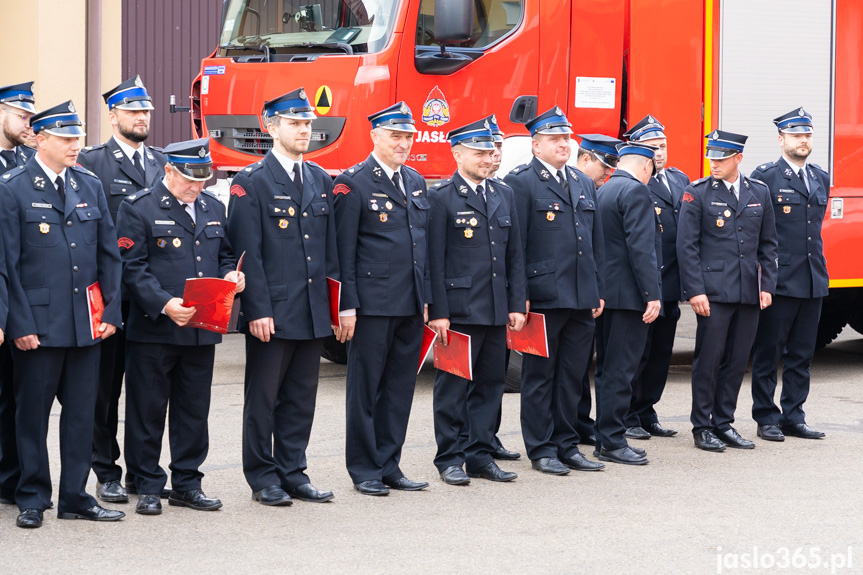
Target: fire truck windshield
[293,26]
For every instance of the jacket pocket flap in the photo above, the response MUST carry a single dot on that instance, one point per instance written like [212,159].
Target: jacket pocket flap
[460,282]
[38,296]
[168,231]
[373,270]
[541,267]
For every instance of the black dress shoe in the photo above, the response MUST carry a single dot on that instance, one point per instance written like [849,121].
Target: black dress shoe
[405,484]
[589,440]
[493,473]
[194,499]
[148,504]
[95,513]
[770,433]
[272,495]
[638,451]
[801,430]
[454,475]
[308,492]
[132,490]
[112,492]
[372,487]
[659,431]
[636,433]
[29,519]
[731,438]
[549,465]
[505,454]
[707,441]
[624,455]
[580,463]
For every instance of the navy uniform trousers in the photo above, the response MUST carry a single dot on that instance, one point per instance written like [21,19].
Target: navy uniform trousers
[653,371]
[547,421]
[382,360]
[723,342]
[451,393]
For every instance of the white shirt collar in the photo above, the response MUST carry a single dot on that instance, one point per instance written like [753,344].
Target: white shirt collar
[472,185]
[287,163]
[551,168]
[387,170]
[735,187]
[52,176]
[129,150]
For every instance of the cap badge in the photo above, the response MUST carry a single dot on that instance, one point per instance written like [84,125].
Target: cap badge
[138,82]
[71,108]
[493,119]
[801,112]
[302,94]
[650,119]
[485,125]
[202,152]
[558,111]
[403,108]
[715,135]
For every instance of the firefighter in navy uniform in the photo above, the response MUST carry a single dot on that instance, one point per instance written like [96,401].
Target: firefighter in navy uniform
[786,330]
[666,190]
[562,238]
[477,275]
[167,234]
[16,108]
[125,166]
[281,216]
[596,158]
[381,218]
[17,105]
[59,242]
[726,248]
[632,295]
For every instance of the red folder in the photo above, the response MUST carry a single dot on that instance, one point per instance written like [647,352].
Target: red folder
[455,357]
[95,308]
[429,337]
[532,339]
[334,288]
[213,299]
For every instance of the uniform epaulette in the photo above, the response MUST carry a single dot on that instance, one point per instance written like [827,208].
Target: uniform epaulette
[520,168]
[673,169]
[91,148]
[212,195]
[11,173]
[414,170]
[253,167]
[817,167]
[83,170]
[28,147]
[438,185]
[355,168]
[766,167]
[701,181]
[757,181]
[314,165]
[137,195]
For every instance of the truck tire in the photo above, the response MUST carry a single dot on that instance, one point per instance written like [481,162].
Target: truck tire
[334,350]
[830,326]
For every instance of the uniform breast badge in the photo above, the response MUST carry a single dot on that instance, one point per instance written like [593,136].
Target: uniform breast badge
[786,209]
[727,213]
[177,243]
[473,221]
[658,210]
[291,210]
[468,233]
[388,205]
[44,228]
[720,222]
[549,216]
[161,243]
[283,223]
[383,217]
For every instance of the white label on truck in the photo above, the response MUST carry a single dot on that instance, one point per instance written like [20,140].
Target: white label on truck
[594,92]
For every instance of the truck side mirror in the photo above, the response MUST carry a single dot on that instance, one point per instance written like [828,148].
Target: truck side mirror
[453,21]
[523,109]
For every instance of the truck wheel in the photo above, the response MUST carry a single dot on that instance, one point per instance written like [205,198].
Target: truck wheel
[830,326]
[513,373]
[856,321]
[334,350]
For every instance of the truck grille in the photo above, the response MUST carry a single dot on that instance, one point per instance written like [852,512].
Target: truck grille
[243,133]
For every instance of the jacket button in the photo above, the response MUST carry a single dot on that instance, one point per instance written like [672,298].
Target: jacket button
[309,258]
[579,253]
[69,224]
[809,239]
[739,229]
[198,258]
[305,214]
[494,275]
[491,227]
[741,242]
[310,280]
[579,238]
[741,256]
[492,243]
[415,262]
[73,245]
[76,290]
[305,237]
[494,259]
[368,274]
[197,242]
[74,268]
[200,274]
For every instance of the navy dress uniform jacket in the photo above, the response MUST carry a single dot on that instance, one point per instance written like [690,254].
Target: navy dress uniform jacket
[161,249]
[667,205]
[381,237]
[54,251]
[722,242]
[632,243]
[119,177]
[22,156]
[290,245]
[799,214]
[477,269]
[562,237]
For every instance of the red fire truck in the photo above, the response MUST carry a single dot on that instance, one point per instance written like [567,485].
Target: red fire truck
[694,64]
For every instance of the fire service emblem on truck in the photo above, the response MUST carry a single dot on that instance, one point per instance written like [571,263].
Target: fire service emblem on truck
[435,109]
